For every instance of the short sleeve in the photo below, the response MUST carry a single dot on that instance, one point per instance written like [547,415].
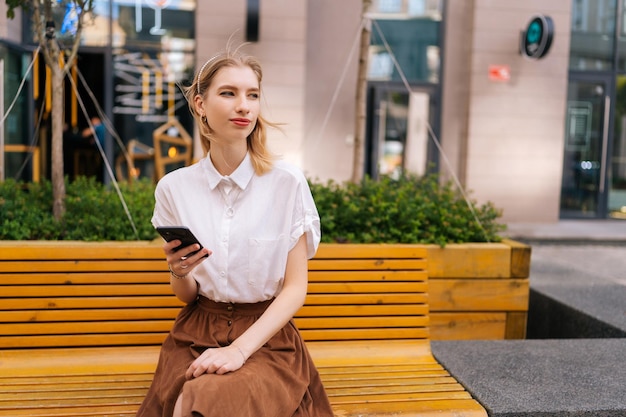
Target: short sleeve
[163,214]
[306,220]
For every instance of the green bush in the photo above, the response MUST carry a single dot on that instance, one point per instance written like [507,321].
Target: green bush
[94,211]
[409,210]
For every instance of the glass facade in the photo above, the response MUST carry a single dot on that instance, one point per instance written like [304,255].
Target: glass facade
[593,35]
[133,56]
[594,171]
[617,168]
[17,138]
[405,46]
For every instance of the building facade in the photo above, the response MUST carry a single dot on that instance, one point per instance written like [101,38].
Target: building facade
[447,89]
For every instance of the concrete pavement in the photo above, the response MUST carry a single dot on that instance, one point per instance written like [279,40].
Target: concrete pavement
[607,231]
[575,364]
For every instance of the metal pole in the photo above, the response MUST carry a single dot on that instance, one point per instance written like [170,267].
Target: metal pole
[108,95]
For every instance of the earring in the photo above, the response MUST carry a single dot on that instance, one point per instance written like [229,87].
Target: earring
[203,118]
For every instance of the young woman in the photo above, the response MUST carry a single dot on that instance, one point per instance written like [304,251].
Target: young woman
[234,350]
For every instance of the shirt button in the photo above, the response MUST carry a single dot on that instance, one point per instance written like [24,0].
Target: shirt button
[229,308]
[222,273]
[230,322]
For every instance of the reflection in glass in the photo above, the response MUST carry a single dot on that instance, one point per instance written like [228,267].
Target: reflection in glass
[18,162]
[403,9]
[393,128]
[401,132]
[621,39]
[582,162]
[415,45]
[593,33]
[617,172]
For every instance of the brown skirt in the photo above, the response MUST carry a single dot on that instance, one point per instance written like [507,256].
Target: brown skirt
[278,380]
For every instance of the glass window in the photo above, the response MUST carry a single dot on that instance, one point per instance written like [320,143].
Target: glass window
[617,170]
[403,9]
[415,45]
[19,142]
[621,39]
[140,23]
[584,146]
[593,34]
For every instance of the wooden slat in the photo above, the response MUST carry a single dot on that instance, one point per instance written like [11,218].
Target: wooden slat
[170,301]
[55,383]
[373,298]
[84,340]
[520,258]
[362,310]
[85,290]
[467,326]
[59,397]
[53,250]
[364,334]
[140,277]
[469,260]
[330,251]
[102,328]
[89,302]
[90,265]
[36,316]
[478,295]
[387,353]
[131,308]
[378,381]
[87,361]
[373,373]
[337,322]
[145,250]
[516,325]
[382,276]
[62,328]
[136,277]
[366,287]
[316,264]
[441,408]
[120,409]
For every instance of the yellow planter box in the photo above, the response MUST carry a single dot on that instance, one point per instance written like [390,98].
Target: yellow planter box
[476,290]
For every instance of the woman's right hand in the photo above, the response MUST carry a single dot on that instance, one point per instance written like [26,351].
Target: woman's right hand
[185,288]
[181,264]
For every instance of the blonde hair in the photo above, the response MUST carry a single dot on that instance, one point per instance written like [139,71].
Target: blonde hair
[260,155]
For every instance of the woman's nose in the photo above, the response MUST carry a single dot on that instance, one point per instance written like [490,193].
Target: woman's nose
[243,106]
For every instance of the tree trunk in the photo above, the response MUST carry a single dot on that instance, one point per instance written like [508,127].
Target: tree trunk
[58,179]
[361,108]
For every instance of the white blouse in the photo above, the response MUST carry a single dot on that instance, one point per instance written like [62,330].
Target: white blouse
[250,229]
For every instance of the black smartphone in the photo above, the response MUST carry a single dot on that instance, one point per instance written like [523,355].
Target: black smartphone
[181,233]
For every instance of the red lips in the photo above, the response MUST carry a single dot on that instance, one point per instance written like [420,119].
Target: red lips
[241,122]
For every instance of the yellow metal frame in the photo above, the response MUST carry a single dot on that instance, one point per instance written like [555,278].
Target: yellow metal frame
[36,157]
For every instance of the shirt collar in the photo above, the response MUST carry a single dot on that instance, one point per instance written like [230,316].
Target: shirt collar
[241,176]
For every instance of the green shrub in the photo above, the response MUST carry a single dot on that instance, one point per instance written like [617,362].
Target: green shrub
[94,211]
[26,211]
[409,210]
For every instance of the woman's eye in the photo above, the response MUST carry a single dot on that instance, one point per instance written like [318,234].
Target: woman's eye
[254,95]
[226,93]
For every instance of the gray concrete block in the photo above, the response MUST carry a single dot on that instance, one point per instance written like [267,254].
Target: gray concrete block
[545,378]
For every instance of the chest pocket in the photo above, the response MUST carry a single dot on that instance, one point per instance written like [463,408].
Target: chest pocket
[267,262]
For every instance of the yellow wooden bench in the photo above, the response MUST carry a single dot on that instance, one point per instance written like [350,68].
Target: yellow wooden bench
[81,324]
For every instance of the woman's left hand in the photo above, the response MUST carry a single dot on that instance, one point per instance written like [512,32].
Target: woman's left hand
[216,361]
